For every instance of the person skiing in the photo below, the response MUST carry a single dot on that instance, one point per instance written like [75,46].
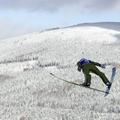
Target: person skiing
[87,67]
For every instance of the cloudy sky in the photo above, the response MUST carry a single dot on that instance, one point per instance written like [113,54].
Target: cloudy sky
[24,16]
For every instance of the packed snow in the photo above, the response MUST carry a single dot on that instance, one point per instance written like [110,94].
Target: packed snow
[29,92]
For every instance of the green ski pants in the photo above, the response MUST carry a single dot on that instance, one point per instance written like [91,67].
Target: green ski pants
[91,68]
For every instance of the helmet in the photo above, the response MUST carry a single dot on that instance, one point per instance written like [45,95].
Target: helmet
[84,61]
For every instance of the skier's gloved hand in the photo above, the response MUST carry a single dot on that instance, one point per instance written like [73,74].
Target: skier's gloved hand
[103,66]
[79,69]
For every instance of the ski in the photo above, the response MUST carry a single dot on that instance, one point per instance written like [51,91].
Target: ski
[111,80]
[94,89]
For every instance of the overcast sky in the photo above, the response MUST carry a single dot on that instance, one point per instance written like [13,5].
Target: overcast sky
[24,16]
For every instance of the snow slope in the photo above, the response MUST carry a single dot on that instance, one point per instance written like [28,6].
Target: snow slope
[29,92]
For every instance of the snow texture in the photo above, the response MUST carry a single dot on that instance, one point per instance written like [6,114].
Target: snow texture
[29,92]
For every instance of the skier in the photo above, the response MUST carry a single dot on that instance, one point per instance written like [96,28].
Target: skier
[87,67]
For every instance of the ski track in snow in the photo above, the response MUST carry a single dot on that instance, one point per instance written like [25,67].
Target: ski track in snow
[29,92]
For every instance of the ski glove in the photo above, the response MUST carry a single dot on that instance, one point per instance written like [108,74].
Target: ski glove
[79,69]
[103,66]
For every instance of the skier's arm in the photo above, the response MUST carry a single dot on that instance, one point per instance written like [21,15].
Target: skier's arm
[95,63]
[79,68]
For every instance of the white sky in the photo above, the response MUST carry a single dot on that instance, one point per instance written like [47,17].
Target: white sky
[23,16]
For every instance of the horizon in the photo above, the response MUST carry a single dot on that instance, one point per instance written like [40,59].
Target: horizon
[61,27]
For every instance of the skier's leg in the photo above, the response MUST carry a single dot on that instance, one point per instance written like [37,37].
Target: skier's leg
[101,75]
[87,75]
[87,79]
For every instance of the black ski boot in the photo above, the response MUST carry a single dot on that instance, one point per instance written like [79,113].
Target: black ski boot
[86,84]
[108,85]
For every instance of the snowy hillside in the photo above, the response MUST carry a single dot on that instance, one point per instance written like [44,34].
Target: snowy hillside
[107,25]
[29,92]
